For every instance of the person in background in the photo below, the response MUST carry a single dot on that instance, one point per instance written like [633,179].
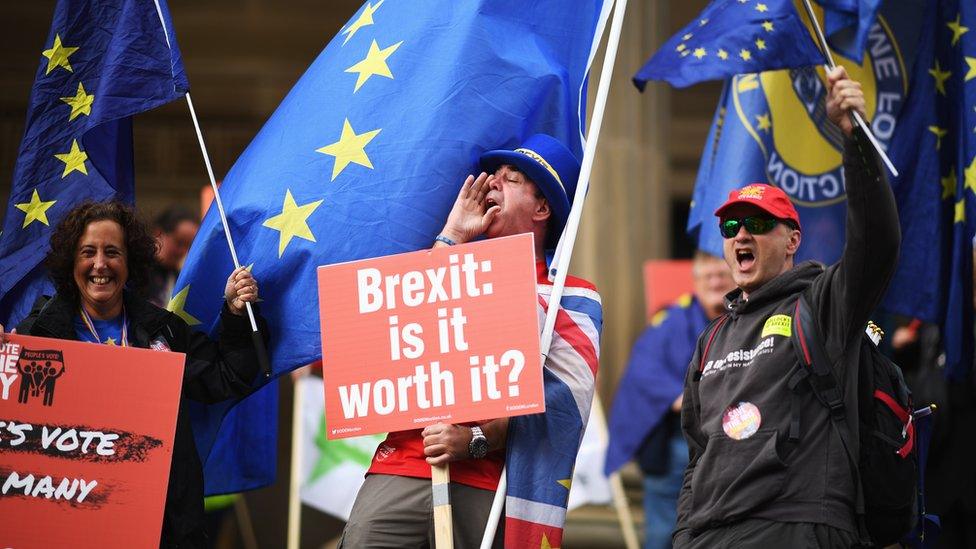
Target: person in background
[645,419]
[174,229]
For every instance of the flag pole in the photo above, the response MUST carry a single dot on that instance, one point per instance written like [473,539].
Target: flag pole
[295,478]
[440,480]
[858,120]
[617,492]
[262,353]
[568,239]
[256,338]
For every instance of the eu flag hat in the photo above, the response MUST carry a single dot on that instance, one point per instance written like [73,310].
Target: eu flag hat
[551,166]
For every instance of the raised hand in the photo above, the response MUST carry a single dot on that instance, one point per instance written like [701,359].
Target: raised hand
[241,288]
[469,218]
[843,97]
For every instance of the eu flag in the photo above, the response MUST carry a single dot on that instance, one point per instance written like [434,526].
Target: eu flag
[732,37]
[847,24]
[103,61]
[363,158]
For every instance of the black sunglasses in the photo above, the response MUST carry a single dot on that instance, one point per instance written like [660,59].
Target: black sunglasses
[755,224]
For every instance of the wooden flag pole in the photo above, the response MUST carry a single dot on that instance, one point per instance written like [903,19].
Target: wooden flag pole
[619,496]
[564,250]
[295,479]
[858,120]
[440,479]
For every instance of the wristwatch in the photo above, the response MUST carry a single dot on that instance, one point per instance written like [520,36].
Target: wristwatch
[478,447]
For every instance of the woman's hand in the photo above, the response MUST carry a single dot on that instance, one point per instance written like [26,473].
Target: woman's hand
[241,288]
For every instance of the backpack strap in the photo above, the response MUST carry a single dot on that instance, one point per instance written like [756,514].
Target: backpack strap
[809,347]
[708,345]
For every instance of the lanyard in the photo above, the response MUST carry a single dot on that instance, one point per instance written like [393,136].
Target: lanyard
[91,327]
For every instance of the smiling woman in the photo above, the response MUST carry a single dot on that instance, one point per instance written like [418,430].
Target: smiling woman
[100,260]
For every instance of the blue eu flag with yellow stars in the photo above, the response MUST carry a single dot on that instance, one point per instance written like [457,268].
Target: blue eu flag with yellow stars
[364,157]
[103,61]
[732,37]
[937,201]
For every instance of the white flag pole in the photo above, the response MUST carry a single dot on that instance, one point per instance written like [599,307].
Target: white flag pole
[568,239]
[858,120]
[257,339]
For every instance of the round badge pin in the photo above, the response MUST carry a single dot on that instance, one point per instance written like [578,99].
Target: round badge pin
[741,421]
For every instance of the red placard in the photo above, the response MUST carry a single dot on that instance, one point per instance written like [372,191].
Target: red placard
[665,281]
[86,439]
[443,335]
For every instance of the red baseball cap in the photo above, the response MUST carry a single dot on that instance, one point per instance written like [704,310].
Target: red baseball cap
[768,198]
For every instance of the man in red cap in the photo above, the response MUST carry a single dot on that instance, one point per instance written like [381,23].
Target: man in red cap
[766,469]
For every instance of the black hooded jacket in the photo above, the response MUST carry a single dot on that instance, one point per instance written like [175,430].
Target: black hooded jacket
[213,372]
[736,414]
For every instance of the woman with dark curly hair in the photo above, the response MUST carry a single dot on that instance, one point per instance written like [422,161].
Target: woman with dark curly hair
[100,258]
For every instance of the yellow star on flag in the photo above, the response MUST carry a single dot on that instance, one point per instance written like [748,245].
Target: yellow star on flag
[949,184]
[36,210]
[722,54]
[703,22]
[686,53]
[768,25]
[58,55]
[960,211]
[177,306]
[292,221]
[745,54]
[939,134]
[687,36]
[970,176]
[374,63]
[110,341]
[546,543]
[957,29]
[565,483]
[351,147]
[940,77]
[760,43]
[700,52]
[763,123]
[80,104]
[74,160]
[681,47]
[365,19]
[971,73]
[761,8]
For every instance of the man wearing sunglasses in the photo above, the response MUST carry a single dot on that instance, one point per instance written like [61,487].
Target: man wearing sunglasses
[766,469]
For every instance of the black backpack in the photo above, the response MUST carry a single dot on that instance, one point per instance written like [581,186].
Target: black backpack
[885,471]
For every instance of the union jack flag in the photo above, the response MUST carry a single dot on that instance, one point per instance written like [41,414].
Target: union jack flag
[542,447]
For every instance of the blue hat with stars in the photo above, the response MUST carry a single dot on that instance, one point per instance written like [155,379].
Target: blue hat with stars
[551,166]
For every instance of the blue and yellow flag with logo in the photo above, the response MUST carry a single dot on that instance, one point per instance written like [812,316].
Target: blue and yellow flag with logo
[103,61]
[363,158]
[732,37]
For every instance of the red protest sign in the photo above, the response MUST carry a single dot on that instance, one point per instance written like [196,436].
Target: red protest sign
[444,335]
[86,439]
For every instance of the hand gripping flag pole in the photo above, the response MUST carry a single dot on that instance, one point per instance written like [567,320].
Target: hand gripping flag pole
[256,337]
[568,238]
[858,120]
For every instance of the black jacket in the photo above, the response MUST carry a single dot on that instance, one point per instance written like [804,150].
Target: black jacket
[734,475]
[213,372]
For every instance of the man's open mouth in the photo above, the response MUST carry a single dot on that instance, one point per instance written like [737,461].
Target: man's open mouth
[745,259]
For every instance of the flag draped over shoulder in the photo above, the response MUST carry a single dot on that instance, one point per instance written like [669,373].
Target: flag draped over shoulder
[363,158]
[654,378]
[731,37]
[103,61]
[541,448]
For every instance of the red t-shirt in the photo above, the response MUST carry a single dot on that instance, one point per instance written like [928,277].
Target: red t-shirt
[402,453]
